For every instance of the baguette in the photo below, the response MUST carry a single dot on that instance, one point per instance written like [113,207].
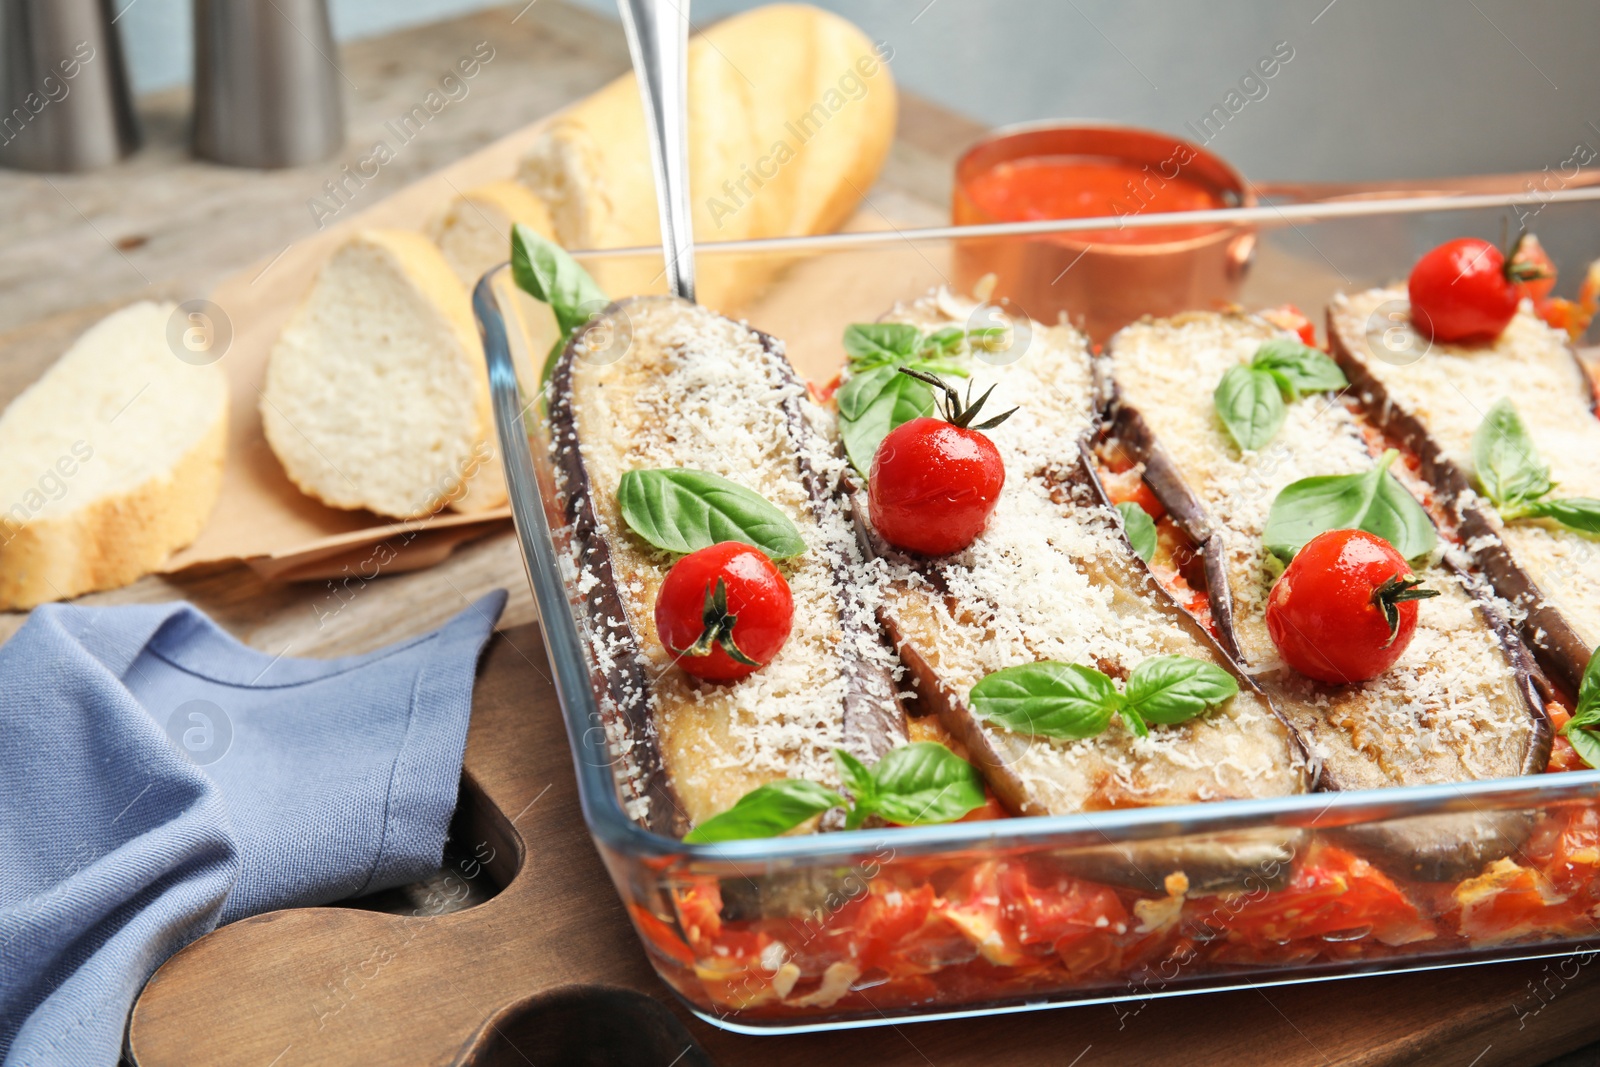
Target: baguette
[1052,577]
[109,462]
[1462,703]
[696,390]
[474,231]
[376,393]
[1436,401]
[791,115]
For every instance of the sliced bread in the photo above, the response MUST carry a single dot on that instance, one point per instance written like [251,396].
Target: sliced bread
[376,394]
[474,232]
[109,462]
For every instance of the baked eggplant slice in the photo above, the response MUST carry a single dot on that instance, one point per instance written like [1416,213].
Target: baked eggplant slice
[1434,398]
[659,383]
[1463,703]
[1052,577]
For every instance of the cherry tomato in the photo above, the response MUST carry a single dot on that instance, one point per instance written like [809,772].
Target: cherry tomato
[1465,292]
[1536,269]
[1345,609]
[1288,317]
[933,485]
[724,611]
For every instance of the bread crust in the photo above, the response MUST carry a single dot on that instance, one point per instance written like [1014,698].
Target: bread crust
[116,539]
[764,161]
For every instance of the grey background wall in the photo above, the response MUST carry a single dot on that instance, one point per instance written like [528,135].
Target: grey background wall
[1375,88]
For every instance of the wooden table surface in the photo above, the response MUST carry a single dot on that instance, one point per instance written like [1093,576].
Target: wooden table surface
[161,224]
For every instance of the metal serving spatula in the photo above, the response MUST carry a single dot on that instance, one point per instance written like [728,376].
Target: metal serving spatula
[658,41]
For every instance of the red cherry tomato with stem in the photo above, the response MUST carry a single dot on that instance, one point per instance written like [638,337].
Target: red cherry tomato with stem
[934,482]
[1345,609]
[1465,291]
[724,611]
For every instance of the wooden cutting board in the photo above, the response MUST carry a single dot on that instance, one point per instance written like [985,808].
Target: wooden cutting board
[547,970]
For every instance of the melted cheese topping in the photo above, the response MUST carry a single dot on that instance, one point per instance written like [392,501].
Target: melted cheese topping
[698,391]
[1449,709]
[1452,387]
[1051,577]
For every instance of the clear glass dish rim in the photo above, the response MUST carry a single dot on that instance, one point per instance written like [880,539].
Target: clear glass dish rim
[1265,214]
[602,809]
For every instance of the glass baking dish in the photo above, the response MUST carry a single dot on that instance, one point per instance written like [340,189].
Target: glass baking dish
[873,926]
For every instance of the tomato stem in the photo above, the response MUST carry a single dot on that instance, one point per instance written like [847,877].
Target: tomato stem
[718,622]
[954,411]
[1394,591]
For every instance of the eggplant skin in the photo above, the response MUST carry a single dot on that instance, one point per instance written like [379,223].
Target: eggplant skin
[627,676]
[1438,848]
[1559,648]
[668,724]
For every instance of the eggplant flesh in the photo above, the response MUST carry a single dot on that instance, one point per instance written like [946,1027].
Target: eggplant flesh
[1463,703]
[1433,397]
[1052,577]
[661,383]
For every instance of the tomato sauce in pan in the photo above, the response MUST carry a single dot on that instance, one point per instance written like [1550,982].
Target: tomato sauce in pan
[1077,187]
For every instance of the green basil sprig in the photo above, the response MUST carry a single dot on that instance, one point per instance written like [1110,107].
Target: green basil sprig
[542,269]
[1069,701]
[1252,397]
[1581,728]
[875,399]
[913,785]
[1372,501]
[767,811]
[875,402]
[686,510]
[1140,528]
[1512,475]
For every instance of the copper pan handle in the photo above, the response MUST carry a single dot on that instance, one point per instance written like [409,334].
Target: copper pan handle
[1489,184]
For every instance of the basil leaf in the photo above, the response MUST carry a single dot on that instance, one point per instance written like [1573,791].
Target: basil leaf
[1587,713]
[1173,689]
[1302,368]
[1585,742]
[1581,513]
[767,811]
[1046,699]
[1508,465]
[1140,528]
[923,783]
[854,774]
[875,343]
[687,510]
[872,404]
[1250,405]
[949,339]
[545,272]
[1373,502]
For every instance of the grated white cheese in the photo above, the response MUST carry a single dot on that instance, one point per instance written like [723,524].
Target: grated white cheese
[698,391]
[1449,709]
[1051,577]
[1452,387]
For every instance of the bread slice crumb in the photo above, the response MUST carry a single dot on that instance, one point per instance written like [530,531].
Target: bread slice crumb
[376,393]
[109,462]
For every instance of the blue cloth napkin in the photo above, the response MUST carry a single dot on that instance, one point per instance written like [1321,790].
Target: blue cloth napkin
[158,778]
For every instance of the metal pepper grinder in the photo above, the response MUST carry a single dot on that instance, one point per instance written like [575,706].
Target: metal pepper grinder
[266,83]
[65,103]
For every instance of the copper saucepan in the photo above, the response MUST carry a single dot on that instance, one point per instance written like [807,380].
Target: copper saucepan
[1102,285]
